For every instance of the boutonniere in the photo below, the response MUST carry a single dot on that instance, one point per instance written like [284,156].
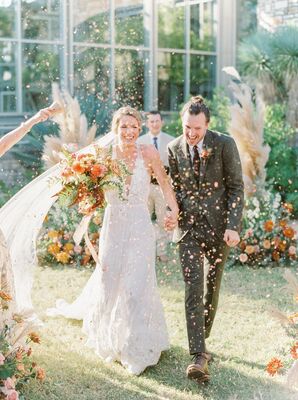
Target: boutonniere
[206,153]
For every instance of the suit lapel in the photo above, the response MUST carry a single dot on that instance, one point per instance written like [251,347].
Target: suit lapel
[187,162]
[207,147]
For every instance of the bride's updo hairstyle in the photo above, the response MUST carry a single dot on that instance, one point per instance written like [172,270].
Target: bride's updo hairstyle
[123,111]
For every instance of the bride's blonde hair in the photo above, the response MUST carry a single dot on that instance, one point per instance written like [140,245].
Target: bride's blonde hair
[123,111]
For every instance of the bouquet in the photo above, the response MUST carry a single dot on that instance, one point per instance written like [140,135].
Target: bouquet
[86,177]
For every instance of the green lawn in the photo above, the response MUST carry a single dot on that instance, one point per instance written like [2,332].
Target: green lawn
[244,338]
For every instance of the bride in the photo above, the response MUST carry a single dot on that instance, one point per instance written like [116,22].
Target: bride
[120,305]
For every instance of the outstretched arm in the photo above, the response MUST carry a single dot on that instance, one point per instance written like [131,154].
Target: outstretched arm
[11,138]
[160,174]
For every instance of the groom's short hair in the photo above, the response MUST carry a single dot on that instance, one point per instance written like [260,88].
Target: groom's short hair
[195,106]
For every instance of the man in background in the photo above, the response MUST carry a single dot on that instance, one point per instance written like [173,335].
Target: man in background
[157,204]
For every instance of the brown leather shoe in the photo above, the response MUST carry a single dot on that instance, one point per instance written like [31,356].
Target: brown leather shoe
[198,371]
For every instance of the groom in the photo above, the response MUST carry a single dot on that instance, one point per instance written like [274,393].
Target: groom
[207,179]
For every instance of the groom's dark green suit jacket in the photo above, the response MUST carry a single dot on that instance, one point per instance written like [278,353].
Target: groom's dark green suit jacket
[219,193]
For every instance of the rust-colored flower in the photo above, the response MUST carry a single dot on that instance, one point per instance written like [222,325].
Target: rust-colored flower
[274,366]
[266,244]
[78,167]
[206,153]
[242,245]
[40,374]
[98,171]
[53,249]
[289,232]
[268,226]
[34,337]
[68,246]
[63,257]
[85,259]
[5,296]
[29,352]
[294,351]
[275,255]
[249,249]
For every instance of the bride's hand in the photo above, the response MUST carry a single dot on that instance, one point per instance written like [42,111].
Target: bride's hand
[171,220]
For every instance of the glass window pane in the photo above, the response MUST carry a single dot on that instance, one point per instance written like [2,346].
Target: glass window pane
[7,77]
[8,18]
[131,78]
[41,19]
[202,75]
[129,22]
[203,26]
[41,67]
[171,24]
[91,72]
[170,81]
[91,21]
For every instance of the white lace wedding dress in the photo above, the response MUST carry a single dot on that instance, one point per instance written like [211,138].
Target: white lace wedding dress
[120,305]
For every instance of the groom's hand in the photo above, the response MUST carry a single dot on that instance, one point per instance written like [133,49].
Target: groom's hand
[231,238]
[170,221]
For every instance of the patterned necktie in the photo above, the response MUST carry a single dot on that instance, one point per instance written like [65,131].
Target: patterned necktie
[196,162]
[155,142]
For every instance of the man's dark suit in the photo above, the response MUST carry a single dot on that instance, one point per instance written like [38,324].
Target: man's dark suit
[208,206]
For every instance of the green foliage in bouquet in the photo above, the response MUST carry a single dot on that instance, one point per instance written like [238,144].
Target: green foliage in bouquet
[55,244]
[267,236]
[85,178]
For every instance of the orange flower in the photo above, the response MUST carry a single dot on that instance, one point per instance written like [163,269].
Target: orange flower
[63,257]
[34,337]
[275,255]
[282,223]
[266,244]
[268,226]
[40,374]
[98,170]
[53,234]
[273,366]
[289,232]
[85,259]
[294,351]
[249,249]
[53,249]
[68,246]
[78,168]
[5,296]
[282,246]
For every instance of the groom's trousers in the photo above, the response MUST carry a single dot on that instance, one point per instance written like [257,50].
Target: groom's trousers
[201,241]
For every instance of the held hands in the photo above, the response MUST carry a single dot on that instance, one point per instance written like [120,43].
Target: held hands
[170,221]
[231,238]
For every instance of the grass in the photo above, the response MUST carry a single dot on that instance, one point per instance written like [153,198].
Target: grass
[243,339]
